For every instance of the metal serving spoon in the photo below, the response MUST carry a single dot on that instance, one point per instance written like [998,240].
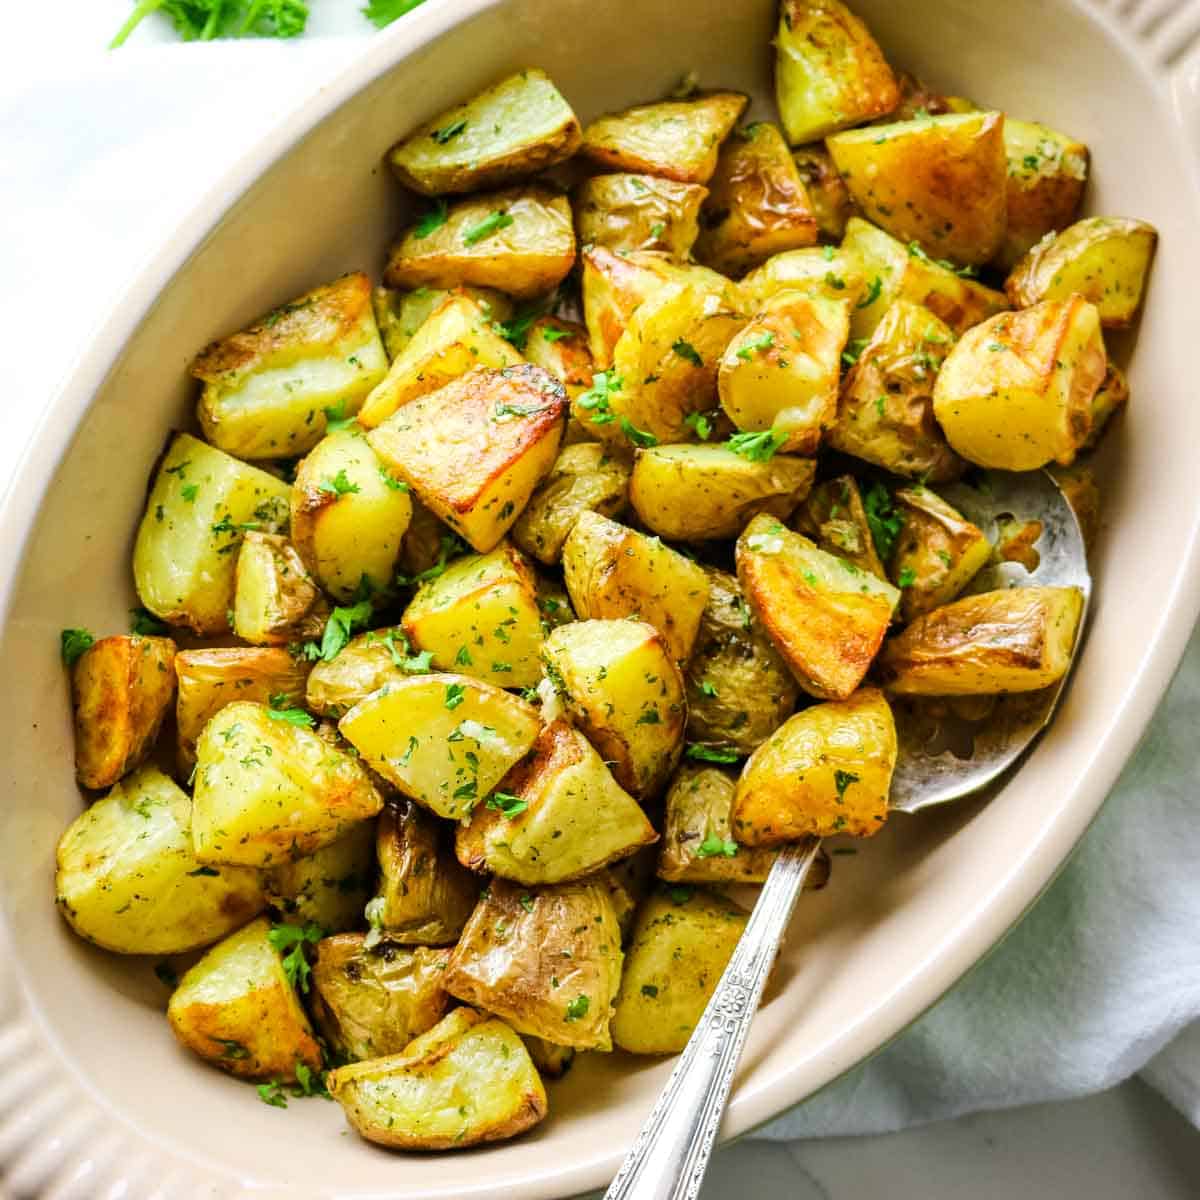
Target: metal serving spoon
[670,1156]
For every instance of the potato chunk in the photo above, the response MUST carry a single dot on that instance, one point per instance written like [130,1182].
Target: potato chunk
[400,314]
[690,493]
[517,127]
[267,790]
[561,348]
[613,571]
[552,1061]
[481,616]
[1017,391]
[276,600]
[468,1080]
[612,286]
[475,450]
[781,371]
[331,887]
[200,504]
[625,692]
[825,273]
[127,878]
[557,816]
[826,190]
[267,390]
[369,662]
[835,518]
[938,181]
[548,961]
[1111,396]
[885,410]
[756,205]
[826,617]
[236,1009]
[829,71]
[680,947]
[677,139]
[1103,259]
[444,740]
[639,212]
[520,241]
[1015,640]
[827,770]
[121,688]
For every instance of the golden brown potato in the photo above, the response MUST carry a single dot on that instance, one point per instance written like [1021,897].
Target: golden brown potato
[822,272]
[918,99]
[826,617]
[127,878]
[367,663]
[552,1061]
[557,816]
[368,1003]
[428,544]
[236,1009]
[475,450]
[681,943]
[624,691]
[561,348]
[269,389]
[829,71]
[677,139]
[1016,640]
[826,189]
[400,314]
[425,896]
[612,286]
[885,410]
[520,241]
[834,517]
[1017,391]
[517,127]
[548,961]
[939,181]
[613,571]
[739,689]
[331,887]
[827,770]
[1110,398]
[756,205]
[1079,487]
[276,600]
[468,1080]
[638,212]
[121,688]
[1103,259]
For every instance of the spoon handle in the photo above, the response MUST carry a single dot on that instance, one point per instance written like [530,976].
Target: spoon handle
[670,1156]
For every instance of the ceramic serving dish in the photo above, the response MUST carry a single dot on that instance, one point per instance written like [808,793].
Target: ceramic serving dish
[96,1100]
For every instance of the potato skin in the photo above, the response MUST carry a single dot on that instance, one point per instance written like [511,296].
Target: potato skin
[276,601]
[833,516]
[561,348]
[400,314]
[366,664]
[638,212]
[826,189]
[330,887]
[612,286]
[1110,398]
[825,771]
[121,688]
[820,272]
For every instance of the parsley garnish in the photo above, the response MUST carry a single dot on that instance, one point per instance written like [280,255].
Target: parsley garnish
[639,437]
[339,485]
[688,351]
[489,225]
[554,335]
[578,1008]
[145,623]
[450,547]
[708,690]
[336,420]
[754,346]
[906,578]
[700,423]
[842,780]
[872,293]
[712,846]
[648,989]
[74,643]
[447,132]
[455,695]
[393,484]
[384,12]
[272,1094]
[292,939]
[884,521]
[431,220]
[757,447]
[339,628]
[713,754]
[203,20]
[282,709]
[507,803]
[595,400]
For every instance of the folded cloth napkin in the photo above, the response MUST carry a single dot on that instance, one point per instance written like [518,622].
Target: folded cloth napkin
[103,153]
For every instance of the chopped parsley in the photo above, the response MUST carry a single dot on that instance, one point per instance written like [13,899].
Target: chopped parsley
[687,351]
[757,447]
[490,224]
[384,12]
[650,991]
[578,1008]
[272,1093]
[883,520]
[872,293]
[339,485]
[842,780]
[639,437]
[906,578]
[757,345]
[708,689]
[553,335]
[336,420]
[712,846]
[700,424]
[455,695]
[450,547]
[289,942]
[145,623]
[595,401]
[507,803]
[447,132]
[342,624]
[431,220]
[74,642]
[282,709]
[712,754]
[390,481]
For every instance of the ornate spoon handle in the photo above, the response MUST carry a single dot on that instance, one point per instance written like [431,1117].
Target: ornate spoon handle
[670,1156]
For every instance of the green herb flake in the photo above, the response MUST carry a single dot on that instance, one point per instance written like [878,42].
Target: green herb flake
[456,693]
[714,846]
[687,351]
[578,1008]
[490,224]
[757,447]
[431,220]
[146,624]
[289,941]
[507,803]
[700,424]
[757,345]
[73,644]
[906,578]
[883,520]
[339,485]
[872,293]
[281,709]
[448,132]
[842,780]
[712,754]
[639,437]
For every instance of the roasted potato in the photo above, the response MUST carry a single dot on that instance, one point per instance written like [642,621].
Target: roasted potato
[268,790]
[475,450]
[548,961]
[939,181]
[468,1080]
[1103,259]
[269,389]
[781,371]
[585,478]
[827,770]
[481,616]
[885,409]
[613,571]
[369,1003]
[552,1061]
[690,493]
[826,190]
[624,691]
[612,286]
[681,944]
[331,887]
[1110,398]
[677,139]
[829,71]
[369,662]
[520,241]
[559,815]
[738,687]
[121,688]
[444,740]
[276,600]
[561,348]
[1017,391]
[1015,640]
[400,314]
[425,896]
[1079,487]
[937,553]
[236,1009]
[515,128]
[826,617]
[185,556]
[834,517]
[756,204]
[127,879]
[638,212]
[825,273]
[456,338]
[917,99]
